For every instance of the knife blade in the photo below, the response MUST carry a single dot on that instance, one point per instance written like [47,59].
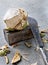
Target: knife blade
[44,56]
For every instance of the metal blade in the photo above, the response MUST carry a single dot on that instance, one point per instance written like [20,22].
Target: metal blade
[44,56]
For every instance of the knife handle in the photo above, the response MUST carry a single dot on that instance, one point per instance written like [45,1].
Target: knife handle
[34,28]
[38,38]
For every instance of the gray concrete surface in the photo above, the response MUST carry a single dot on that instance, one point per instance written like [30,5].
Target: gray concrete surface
[37,9]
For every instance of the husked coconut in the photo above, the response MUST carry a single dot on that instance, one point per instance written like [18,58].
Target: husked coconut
[16,19]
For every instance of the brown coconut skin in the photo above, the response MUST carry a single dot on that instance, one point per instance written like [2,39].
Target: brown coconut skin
[16,36]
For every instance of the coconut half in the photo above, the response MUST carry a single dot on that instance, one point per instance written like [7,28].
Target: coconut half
[15,17]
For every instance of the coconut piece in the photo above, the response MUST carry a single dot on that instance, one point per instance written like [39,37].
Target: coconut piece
[4,50]
[7,60]
[42,34]
[28,44]
[5,47]
[44,31]
[44,40]
[16,58]
[2,53]
[34,63]
[15,16]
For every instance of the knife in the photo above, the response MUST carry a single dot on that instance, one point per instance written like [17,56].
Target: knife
[34,28]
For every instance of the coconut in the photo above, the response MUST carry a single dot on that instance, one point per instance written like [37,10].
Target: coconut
[16,18]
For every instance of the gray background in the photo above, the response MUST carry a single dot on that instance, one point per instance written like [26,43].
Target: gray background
[37,9]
